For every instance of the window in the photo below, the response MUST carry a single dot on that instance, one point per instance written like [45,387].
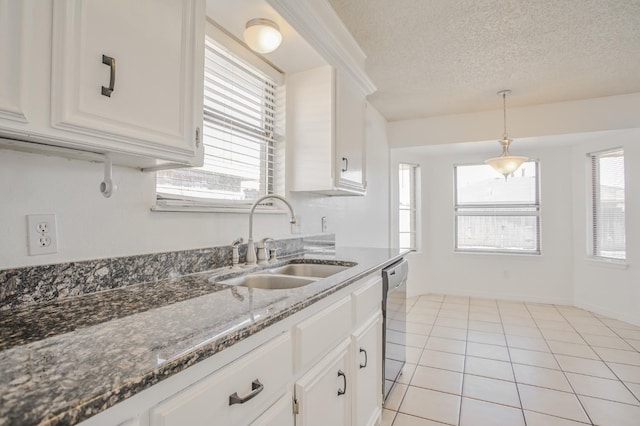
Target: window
[608,224]
[407,210]
[494,214]
[242,135]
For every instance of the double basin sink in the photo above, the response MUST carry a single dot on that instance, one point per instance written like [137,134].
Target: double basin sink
[288,276]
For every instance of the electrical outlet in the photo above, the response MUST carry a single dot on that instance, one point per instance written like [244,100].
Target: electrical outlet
[41,234]
[324,224]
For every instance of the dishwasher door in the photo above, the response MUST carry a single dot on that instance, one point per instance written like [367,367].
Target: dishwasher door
[394,305]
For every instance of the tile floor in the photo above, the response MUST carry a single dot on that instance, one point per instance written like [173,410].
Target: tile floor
[491,362]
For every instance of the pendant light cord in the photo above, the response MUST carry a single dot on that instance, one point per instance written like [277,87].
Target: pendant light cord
[504,110]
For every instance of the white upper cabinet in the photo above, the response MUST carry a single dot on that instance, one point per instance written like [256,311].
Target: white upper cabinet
[325,133]
[13,17]
[123,78]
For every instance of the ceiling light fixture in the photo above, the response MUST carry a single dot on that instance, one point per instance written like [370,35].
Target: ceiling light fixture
[506,163]
[262,35]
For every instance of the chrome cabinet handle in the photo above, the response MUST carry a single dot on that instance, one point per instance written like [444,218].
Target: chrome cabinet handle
[345,160]
[366,358]
[256,388]
[107,60]
[344,388]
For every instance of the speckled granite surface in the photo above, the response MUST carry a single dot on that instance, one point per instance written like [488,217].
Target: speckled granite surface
[65,361]
[47,283]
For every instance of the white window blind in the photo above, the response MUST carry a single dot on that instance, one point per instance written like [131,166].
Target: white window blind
[608,205]
[407,209]
[497,215]
[242,135]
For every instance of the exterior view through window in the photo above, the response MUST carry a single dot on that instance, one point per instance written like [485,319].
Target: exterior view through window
[241,135]
[497,215]
[608,220]
[407,210]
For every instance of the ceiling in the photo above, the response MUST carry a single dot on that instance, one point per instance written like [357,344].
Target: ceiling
[439,57]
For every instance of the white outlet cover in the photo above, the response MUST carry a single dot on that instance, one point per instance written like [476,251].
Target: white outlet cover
[35,237]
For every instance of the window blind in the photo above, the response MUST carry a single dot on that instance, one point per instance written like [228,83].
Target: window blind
[497,215]
[608,204]
[407,209]
[241,135]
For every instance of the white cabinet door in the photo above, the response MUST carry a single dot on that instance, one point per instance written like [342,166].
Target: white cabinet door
[236,394]
[367,368]
[324,394]
[325,124]
[350,153]
[126,73]
[279,414]
[13,44]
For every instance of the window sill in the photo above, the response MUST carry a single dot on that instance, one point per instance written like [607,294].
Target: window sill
[607,263]
[532,255]
[203,208]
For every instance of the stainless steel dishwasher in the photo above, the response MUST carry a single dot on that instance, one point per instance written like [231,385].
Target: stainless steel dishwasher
[394,305]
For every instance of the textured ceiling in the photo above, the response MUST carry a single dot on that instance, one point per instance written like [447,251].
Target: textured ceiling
[437,57]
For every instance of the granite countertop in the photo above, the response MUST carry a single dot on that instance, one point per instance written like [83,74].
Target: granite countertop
[63,362]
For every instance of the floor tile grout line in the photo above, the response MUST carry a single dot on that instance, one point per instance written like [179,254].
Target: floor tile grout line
[601,360]
[417,364]
[524,418]
[464,364]
[561,369]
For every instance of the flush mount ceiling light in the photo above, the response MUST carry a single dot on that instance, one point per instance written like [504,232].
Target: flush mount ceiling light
[506,163]
[262,35]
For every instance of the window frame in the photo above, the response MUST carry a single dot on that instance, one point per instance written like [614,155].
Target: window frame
[275,174]
[536,212]
[413,205]
[594,250]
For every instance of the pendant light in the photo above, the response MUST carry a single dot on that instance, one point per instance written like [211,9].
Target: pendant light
[262,35]
[506,163]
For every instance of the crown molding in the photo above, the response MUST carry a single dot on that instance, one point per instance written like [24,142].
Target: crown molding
[318,23]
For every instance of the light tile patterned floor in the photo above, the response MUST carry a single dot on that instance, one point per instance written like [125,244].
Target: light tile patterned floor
[491,362]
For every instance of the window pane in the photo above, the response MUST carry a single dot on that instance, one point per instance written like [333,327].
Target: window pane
[498,233]
[609,205]
[480,184]
[407,205]
[240,134]
[494,214]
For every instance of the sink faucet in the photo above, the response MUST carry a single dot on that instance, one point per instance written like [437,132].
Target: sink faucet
[251,251]
[262,256]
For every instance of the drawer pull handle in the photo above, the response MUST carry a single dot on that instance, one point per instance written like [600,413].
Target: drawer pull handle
[345,160]
[366,358]
[256,388]
[107,60]
[344,388]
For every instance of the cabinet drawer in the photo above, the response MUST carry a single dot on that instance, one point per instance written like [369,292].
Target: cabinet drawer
[316,335]
[367,299]
[208,401]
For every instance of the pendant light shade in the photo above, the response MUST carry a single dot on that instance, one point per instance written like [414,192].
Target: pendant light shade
[506,163]
[262,35]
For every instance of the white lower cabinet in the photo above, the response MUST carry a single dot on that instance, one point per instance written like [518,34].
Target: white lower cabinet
[279,414]
[236,395]
[323,395]
[367,372]
[322,366]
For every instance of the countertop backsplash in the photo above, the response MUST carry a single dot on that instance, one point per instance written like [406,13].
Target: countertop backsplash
[28,286]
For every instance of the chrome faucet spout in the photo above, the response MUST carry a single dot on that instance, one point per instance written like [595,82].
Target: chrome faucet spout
[251,252]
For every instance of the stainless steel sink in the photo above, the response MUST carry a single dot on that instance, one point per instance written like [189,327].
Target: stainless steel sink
[308,270]
[284,277]
[269,281]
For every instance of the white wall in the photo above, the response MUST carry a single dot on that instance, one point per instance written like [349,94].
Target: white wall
[608,289]
[91,226]
[436,268]
[563,273]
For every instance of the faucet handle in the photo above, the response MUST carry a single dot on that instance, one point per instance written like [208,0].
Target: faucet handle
[263,242]
[237,242]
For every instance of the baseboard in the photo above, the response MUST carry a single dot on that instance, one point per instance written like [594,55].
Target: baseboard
[609,313]
[504,296]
